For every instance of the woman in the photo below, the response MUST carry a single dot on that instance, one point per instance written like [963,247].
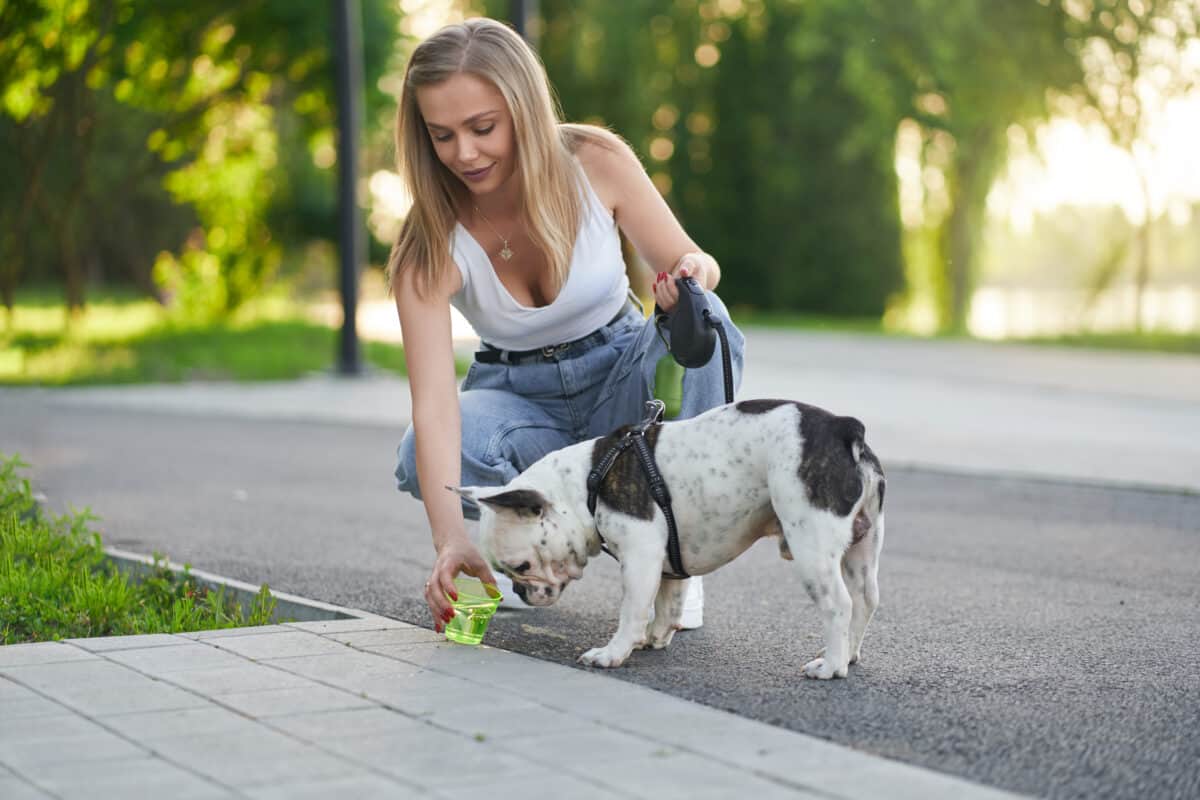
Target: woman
[514,223]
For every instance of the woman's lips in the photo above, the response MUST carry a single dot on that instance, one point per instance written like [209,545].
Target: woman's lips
[479,174]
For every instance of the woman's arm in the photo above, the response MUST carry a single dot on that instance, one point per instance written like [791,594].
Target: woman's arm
[437,424]
[642,214]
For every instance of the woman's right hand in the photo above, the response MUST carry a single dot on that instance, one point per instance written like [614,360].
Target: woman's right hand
[457,555]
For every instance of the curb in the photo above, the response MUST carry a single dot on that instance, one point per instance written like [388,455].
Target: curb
[289,606]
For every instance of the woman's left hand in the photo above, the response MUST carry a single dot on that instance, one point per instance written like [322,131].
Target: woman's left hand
[666,293]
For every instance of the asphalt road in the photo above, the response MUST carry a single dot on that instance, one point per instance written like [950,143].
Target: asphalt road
[1037,636]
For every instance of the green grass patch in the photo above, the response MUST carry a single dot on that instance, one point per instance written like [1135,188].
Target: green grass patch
[750,317]
[1158,342]
[124,339]
[55,582]
[1154,341]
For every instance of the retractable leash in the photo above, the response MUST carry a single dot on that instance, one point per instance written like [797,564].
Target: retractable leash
[694,331]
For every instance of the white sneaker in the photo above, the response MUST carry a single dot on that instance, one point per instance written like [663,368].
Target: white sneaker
[511,599]
[693,605]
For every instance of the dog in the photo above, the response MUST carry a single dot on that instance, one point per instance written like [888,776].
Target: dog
[736,473]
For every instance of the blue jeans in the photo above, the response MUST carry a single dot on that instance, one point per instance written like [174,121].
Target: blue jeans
[512,415]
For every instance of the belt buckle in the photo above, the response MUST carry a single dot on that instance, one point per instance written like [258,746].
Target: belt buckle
[553,350]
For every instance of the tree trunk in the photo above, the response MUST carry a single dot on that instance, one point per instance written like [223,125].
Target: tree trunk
[1142,277]
[975,158]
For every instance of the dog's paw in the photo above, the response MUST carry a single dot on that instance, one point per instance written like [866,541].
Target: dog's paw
[605,657]
[659,639]
[823,670]
[854,657]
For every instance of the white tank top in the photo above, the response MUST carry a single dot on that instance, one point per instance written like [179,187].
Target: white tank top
[594,292]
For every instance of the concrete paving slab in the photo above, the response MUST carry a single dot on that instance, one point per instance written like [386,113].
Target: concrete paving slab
[221,633]
[14,788]
[129,779]
[369,623]
[252,758]
[392,636]
[17,655]
[325,726]
[553,783]
[349,670]
[245,677]
[27,756]
[278,645]
[105,644]
[149,726]
[183,656]
[304,699]
[359,787]
[507,718]
[656,774]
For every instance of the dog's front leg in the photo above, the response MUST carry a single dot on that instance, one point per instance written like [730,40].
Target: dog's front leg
[640,576]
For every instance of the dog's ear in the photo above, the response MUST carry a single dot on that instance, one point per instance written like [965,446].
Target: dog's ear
[522,502]
[468,493]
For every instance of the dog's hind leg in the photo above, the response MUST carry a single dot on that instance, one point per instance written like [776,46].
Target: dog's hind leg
[860,571]
[818,554]
[668,608]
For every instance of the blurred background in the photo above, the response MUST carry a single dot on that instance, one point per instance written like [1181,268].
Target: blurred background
[1021,169]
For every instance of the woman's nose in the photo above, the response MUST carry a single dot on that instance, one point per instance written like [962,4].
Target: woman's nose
[467,151]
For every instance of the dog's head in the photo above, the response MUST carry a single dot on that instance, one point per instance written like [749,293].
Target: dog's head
[524,536]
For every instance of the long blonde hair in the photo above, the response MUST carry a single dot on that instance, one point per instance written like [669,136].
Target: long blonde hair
[544,147]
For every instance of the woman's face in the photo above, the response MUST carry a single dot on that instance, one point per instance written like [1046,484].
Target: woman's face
[471,130]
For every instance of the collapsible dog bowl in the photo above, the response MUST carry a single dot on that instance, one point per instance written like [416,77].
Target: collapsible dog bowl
[473,610]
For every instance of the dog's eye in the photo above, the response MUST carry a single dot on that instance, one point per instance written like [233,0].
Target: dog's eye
[522,568]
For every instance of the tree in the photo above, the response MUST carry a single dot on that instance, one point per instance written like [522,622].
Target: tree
[191,102]
[1134,58]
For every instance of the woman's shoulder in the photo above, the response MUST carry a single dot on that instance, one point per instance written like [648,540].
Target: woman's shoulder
[607,160]
[596,147]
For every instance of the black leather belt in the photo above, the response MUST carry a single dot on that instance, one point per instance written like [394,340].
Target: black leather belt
[494,355]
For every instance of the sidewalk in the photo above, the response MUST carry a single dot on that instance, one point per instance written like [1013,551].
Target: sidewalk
[372,707]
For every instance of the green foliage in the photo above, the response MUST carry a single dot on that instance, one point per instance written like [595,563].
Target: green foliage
[144,140]
[55,582]
[122,340]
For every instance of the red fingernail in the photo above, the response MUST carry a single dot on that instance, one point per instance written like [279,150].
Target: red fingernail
[449,615]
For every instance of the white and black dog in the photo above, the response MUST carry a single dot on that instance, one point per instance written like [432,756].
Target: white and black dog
[735,474]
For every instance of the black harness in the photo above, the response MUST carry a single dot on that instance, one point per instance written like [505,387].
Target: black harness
[635,437]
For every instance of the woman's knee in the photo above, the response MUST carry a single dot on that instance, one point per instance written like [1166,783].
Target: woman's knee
[406,465]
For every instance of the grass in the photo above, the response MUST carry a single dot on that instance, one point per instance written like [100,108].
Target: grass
[1154,341]
[55,582]
[120,338]
[1151,341]
[124,338]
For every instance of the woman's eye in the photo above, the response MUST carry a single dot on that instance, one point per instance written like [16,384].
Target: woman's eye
[444,138]
[485,131]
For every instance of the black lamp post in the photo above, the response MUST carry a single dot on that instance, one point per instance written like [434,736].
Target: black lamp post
[352,239]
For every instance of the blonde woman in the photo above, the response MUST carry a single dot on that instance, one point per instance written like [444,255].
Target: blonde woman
[514,223]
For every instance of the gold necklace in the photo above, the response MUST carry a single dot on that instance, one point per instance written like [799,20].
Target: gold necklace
[506,252]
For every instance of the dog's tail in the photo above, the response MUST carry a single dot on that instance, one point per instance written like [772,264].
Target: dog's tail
[869,508]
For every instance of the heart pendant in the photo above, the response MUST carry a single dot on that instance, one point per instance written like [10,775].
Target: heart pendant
[506,254]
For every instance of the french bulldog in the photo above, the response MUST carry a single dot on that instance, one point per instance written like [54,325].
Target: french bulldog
[736,473]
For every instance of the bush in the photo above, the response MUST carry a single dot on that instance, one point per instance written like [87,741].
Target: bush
[56,583]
